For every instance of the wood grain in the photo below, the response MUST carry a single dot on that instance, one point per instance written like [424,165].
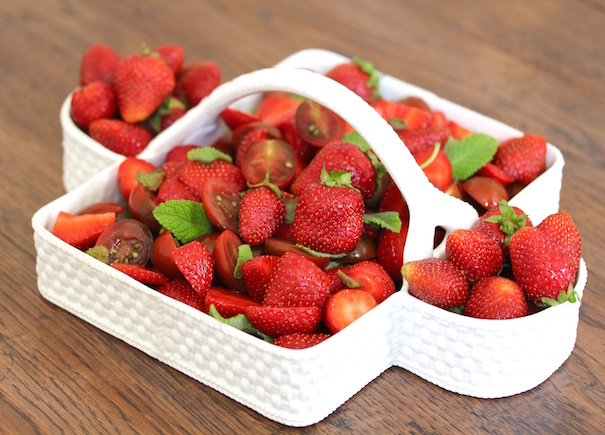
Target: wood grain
[538,66]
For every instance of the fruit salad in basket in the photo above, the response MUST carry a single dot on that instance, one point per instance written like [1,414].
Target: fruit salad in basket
[289,227]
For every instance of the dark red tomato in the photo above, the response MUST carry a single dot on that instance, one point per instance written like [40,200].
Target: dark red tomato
[141,204]
[225,259]
[103,207]
[240,132]
[364,250]
[221,202]
[273,155]
[128,241]
[161,255]
[278,247]
[318,125]
[485,191]
[416,102]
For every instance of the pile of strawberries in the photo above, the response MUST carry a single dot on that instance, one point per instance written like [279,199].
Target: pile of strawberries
[290,228]
[123,102]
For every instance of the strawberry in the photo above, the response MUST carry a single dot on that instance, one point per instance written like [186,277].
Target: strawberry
[359,76]
[389,251]
[329,215]
[256,273]
[227,302]
[476,254]
[182,291]
[522,158]
[304,151]
[93,101]
[261,212]
[195,262]
[492,171]
[560,228]
[436,281]
[336,283]
[501,223]
[539,265]
[277,108]
[119,136]
[141,273]
[296,282]
[172,188]
[393,200]
[173,55]
[339,156]
[439,119]
[127,172]
[300,341]
[82,231]
[141,84]
[278,321]
[458,132]
[197,81]
[402,116]
[170,118]
[250,138]
[98,64]
[346,306]
[421,139]
[371,277]
[496,297]
[436,167]
[194,174]
[179,153]
[234,118]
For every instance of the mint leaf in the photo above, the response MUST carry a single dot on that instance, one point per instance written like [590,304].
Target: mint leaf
[151,180]
[101,253]
[470,154]
[244,253]
[208,155]
[389,220]
[185,219]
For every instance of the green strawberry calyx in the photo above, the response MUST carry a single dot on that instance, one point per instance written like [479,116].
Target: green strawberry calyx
[267,182]
[239,321]
[570,296]
[336,179]
[508,220]
[368,68]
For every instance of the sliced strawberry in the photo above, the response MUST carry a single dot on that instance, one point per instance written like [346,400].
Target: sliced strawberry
[277,321]
[127,172]
[300,341]
[370,276]
[412,116]
[227,302]
[346,306]
[275,109]
[195,262]
[458,132]
[182,291]
[256,273]
[141,273]
[421,139]
[82,231]
[439,119]
[235,118]
[492,171]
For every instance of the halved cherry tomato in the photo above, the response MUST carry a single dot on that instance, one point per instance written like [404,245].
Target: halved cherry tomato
[221,202]
[274,155]
[486,191]
[318,125]
[364,250]
[141,204]
[161,255]
[128,241]
[278,247]
[225,259]
[240,132]
[416,102]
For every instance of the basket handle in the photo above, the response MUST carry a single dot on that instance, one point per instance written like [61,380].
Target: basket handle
[428,206]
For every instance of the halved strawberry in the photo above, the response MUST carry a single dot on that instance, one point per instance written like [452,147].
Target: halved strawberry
[141,273]
[235,118]
[195,262]
[346,306]
[127,172]
[421,139]
[277,321]
[227,302]
[492,171]
[413,117]
[458,132]
[300,341]
[369,276]
[82,231]
[277,108]
[256,273]
[182,291]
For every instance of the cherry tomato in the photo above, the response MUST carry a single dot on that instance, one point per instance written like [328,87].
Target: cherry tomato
[241,131]
[318,125]
[161,255]
[278,247]
[364,250]
[128,241]
[225,259]
[103,207]
[221,202]
[486,191]
[416,102]
[208,240]
[274,155]
[141,204]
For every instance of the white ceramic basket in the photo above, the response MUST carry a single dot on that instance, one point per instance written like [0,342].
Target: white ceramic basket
[481,358]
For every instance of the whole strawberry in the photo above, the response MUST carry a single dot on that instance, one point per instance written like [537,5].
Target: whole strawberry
[339,156]
[98,64]
[522,158]
[436,281]
[540,267]
[560,228]
[208,163]
[261,212]
[359,76]
[173,55]
[119,136]
[141,83]
[496,297]
[389,251]
[197,80]
[476,255]
[94,101]
[329,215]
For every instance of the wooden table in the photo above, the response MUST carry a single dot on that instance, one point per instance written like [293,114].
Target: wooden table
[538,66]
